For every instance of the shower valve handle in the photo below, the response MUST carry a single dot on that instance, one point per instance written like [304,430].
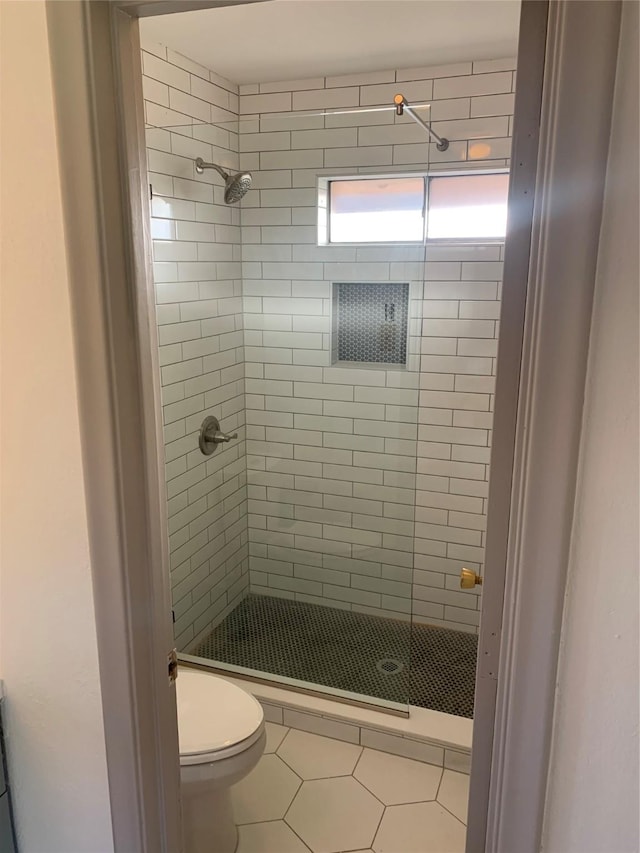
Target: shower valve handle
[219,437]
[211,436]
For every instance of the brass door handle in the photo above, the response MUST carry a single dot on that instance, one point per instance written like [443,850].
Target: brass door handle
[469,579]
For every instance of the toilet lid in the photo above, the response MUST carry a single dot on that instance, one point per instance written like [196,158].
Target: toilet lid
[213,713]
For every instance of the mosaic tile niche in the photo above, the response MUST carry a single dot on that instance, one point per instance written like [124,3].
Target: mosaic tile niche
[370,322]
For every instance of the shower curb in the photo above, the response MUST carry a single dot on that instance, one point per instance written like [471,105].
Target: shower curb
[427,736]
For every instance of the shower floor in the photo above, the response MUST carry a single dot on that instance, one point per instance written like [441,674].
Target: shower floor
[393,660]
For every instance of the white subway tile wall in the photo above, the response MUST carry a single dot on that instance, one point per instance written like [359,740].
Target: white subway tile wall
[198,285]
[366,485]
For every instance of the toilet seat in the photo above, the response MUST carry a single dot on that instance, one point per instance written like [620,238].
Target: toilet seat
[216,719]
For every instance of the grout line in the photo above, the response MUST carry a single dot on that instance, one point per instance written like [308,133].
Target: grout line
[442,805]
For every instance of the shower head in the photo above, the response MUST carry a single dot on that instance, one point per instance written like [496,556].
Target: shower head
[236,186]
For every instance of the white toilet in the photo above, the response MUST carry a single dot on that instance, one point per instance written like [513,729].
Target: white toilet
[222,737]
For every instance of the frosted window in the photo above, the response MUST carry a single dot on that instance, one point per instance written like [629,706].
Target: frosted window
[472,207]
[380,210]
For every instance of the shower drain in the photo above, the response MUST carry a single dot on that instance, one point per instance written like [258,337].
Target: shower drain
[389,666]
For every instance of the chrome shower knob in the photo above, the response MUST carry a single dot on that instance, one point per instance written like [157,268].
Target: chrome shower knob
[211,436]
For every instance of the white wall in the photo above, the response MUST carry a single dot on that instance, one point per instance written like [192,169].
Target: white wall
[592,802]
[48,657]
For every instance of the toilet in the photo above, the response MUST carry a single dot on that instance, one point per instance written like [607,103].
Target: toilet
[222,737]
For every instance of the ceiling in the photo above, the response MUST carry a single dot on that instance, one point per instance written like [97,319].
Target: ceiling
[294,39]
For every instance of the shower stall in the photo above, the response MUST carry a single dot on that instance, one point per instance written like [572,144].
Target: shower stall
[328,269]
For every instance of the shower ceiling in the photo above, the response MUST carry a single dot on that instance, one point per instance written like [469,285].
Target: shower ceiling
[293,39]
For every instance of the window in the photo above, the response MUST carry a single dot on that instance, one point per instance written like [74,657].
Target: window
[471,207]
[378,210]
[412,208]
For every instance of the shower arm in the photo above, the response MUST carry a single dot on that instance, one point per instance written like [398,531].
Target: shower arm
[201,166]
[402,104]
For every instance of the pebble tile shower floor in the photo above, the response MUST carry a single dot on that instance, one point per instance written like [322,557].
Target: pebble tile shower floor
[393,660]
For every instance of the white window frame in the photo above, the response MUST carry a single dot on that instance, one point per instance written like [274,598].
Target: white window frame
[324,224]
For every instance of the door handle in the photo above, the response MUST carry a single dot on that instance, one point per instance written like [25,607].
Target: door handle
[469,579]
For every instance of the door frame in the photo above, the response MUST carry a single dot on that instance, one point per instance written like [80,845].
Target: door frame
[541,374]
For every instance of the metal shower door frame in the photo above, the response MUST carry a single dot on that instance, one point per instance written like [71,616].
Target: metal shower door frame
[94,48]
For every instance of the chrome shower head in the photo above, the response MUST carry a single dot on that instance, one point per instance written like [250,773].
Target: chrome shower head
[235,186]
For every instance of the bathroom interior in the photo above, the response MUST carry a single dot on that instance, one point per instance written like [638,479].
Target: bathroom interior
[328,218]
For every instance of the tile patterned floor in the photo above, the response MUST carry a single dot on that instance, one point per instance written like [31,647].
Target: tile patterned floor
[313,794]
[347,650]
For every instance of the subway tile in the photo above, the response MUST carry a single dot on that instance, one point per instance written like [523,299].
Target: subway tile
[416,154]
[472,85]
[324,485]
[298,404]
[298,271]
[415,91]
[323,391]
[385,493]
[486,348]
[462,328]
[445,468]
[356,596]
[293,339]
[354,376]
[475,384]
[303,159]
[393,396]
[455,435]
[326,98]
[323,546]
[479,420]
[265,103]
[373,155]
[276,141]
[469,487]
[456,364]
[153,66]
[322,422]
[392,134]
[357,441]
[480,310]
[493,105]
[463,453]
[332,138]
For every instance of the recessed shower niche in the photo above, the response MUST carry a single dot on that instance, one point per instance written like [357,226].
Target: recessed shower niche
[370,322]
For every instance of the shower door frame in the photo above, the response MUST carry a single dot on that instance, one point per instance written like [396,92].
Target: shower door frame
[97,84]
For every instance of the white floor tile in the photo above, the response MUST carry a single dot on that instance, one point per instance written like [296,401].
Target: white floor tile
[454,793]
[316,757]
[275,736]
[396,780]
[419,828]
[333,815]
[266,793]
[272,837]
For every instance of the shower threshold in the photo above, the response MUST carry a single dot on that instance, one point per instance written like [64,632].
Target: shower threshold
[361,658]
